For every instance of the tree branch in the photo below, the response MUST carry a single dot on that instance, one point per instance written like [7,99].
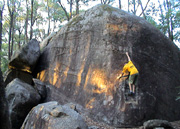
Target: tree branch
[64,9]
[8,6]
[144,8]
[137,7]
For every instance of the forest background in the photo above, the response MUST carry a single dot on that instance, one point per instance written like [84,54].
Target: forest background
[22,20]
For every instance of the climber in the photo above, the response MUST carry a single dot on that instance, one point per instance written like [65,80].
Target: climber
[133,78]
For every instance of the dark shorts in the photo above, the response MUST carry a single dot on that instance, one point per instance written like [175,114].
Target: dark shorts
[133,79]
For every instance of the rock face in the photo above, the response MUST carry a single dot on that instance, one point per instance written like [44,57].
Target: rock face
[40,87]
[5,123]
[23,63]
[46,41]
[52,115]
[22,98]
[85,57]
[26,58]
[151,124]
[11,74]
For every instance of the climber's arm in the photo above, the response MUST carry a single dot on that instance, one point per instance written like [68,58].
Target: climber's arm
[129,59]
[120,76]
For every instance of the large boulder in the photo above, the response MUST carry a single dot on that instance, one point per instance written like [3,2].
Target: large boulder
[11,74]
[26,58]
[85,57]
[51,115]
[53,94]
[4,115]
[22,98]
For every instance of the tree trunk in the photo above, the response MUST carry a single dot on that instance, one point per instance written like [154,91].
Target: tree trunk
[128,5]
[109,1]
[19,42]
[101,2]
[168,19]
[49,22]
[71,3]
[162,17]
[171,37]
[134,3]
[31,27]
[171,21]
[12,39]
[105,1]
[64,9]
[26,24]
[54,25]
[77,7]
[10,34]
[142,9]
[119,4]
[1,18]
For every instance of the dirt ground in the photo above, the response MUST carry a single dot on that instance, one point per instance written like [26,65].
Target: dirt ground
[95,125]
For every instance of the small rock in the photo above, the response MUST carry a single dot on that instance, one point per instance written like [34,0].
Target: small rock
[93,127]
[40,87]
[157,124]
[57,112]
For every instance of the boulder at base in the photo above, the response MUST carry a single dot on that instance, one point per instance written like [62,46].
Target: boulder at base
[22,98]
[84,59]
[51,115]
[4,115]
[26,58]
[11,74]
[151,124]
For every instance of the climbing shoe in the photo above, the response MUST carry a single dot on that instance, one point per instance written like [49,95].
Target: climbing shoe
[133,94]
[130,93]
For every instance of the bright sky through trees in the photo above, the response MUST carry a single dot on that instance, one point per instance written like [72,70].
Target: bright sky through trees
[22,20]
[124,3]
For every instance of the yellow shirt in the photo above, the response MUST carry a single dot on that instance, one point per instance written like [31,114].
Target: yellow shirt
[130,68]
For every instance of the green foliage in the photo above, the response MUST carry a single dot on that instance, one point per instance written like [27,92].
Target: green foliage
[177,25]
[152,21]
[4,57]
[57,13]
